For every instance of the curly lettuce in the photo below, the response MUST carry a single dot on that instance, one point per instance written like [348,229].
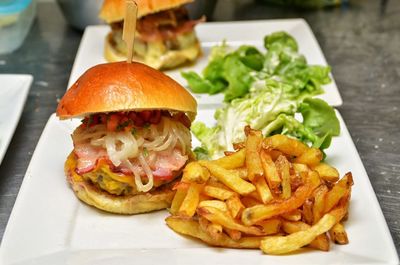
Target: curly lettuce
[272,108]
[233,72]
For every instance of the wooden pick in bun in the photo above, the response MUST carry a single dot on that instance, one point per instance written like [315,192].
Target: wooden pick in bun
[165,36]
[134,138]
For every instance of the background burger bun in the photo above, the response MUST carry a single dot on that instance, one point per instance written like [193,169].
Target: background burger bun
[122,86]
[114,10]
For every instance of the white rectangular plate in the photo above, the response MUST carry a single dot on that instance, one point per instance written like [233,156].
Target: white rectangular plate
[90,51]
[13,92]
[49,225]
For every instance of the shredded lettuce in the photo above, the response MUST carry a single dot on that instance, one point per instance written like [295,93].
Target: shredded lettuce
[270,107]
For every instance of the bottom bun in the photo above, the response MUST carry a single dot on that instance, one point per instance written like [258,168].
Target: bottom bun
[156,199]
[171,59]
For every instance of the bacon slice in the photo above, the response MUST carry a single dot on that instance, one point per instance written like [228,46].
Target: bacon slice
[163,164]
[166,164]
[164,25]
[88,155]
[149,34]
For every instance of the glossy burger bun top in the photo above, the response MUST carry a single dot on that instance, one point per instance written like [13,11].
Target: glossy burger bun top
[114,10]
[122,86]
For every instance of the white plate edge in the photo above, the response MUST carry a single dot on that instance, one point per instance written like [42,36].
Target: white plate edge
[24,87]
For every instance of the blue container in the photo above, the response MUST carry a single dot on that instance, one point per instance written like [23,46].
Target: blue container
[16,18]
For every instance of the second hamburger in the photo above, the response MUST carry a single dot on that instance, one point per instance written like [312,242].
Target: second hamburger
[165,36]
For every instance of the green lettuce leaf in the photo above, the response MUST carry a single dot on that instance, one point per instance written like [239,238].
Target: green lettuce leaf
[201,85]
[233,72]
[270,107]
[319,116]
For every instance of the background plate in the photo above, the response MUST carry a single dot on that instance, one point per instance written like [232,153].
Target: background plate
[49,225]
[90,51]
[13,92]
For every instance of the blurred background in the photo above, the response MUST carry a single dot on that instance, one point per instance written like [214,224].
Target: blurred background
[17,16]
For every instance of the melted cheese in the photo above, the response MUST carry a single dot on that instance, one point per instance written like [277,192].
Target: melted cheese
[157,55]
[69,168]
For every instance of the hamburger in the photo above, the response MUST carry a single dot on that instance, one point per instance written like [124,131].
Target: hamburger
[133,140]
[164,38]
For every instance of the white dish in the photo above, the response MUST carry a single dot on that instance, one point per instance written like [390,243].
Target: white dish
[90,51]
[49,225]
[13,92]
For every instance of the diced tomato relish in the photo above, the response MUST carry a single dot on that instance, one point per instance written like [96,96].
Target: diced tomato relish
[126,121]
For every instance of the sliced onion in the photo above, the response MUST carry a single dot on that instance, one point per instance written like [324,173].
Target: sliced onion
[121,146]
[125,149]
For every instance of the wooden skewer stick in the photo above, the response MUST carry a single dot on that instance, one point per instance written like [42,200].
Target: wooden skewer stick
[128,34]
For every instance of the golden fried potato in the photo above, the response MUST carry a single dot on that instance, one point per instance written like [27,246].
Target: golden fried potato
[286,244]
[234,234]
[235,206]
[218,217]
[230,179]
[220,205]
[192,228]
[294,215]
[338,234]
[285,144]
[283,167]
[194,172]
[270,171]
[253,160]
[177,201]
[319,202]
[189,204]
[262,189]
[217,192]
[307,210]
[261,212]
[232,161]
[339,190]
[311,157]
[326,172]
[270,226]
[321,242]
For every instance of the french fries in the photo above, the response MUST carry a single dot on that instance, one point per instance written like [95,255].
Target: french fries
[274,194]
[326,172]
[228,178]
[218,193]
[235,160]
[321,242]
[235,206]
[311,157]
[282,164]
[190,202]
[193,172]
[293,215]
[270,171]
[271,226]
[261,212]
[262,189]
[253,160]
[286,244]
[319,202]
[338,234]
[192,228]
[339,190]
[286,145]
[217,216]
